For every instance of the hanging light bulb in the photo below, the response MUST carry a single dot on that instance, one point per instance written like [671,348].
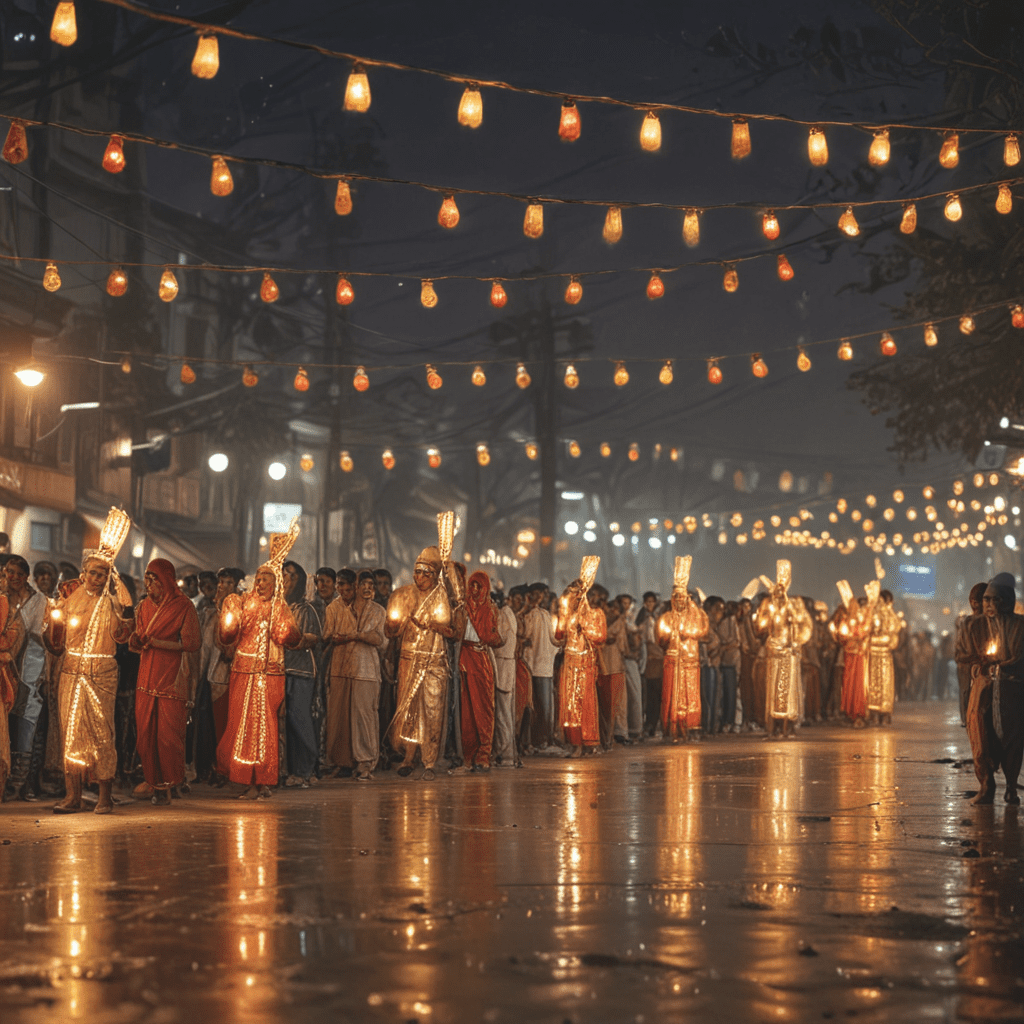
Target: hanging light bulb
[206,62]
[817,147]
[714,372]
[522,377]
[428,297]
[479,378]
[344,293]
[770,225]
[574,291]
[949,155]
[575,451]
[845,351]
[16,143]
[434,380]
[498,295]
[63,28]
[343,198]
[113,155]
[848,223]
[433,458]
[471,107]
[931,338]
[483,456]
[908,223]
[167,289]
[621,376]
[606,449]
[1011,151]
[953,211]
[249,377]
[803,361]
[665,375]
[878,154]
[572,378]
[785,268]
[221,182]
[306,462]
[967,324]
[655,287]
[533,222]
[188,375]
[569,126]
[301,382]
[740,148]
[650,133]
[269,292]
[387,458]
[730,280]
[1017,316]
[448,215]
[634,452]
[887,344]
[532,451]
[357,90]
[345,462]
[1004,201]
[126,364]
[691,228]
[612,225]
[673,454]
[758,366]
[360,379]
[117,282]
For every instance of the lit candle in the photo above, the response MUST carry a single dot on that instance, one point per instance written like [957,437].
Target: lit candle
[228,618]
[56,615]
[993,647]
[74,621]
[395,614]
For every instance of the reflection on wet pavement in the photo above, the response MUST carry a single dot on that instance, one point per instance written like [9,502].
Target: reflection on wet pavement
[839,875]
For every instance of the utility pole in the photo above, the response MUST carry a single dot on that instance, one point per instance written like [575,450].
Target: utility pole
[546,420]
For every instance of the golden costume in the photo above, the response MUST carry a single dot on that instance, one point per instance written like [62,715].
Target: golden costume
[581,628]
[788,626]
[679,633]
[881,627]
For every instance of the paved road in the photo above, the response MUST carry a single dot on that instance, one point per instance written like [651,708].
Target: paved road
[841,875]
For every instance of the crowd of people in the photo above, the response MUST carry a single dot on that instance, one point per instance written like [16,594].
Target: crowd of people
[284,681]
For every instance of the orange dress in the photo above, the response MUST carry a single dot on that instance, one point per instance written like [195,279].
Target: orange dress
[581,629]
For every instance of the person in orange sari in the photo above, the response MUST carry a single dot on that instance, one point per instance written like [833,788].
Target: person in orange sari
[476,663]
[582,629]
[679,632]
[850,632]
[258,625]
[11,639]
[166,629]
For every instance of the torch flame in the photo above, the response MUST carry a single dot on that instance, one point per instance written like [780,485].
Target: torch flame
[993,647]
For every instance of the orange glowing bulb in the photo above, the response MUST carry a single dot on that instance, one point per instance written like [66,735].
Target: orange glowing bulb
[612,225]
[344,293]
[357,90]
[249,377]
[16,144]
[967,324]
[113,155]
[770,225]
[522,376]
[714,372]
[730,280]
[64,28]
[306,463]
[878,154]
[1004,200]
[848,223]
[953,211]
[221,182]
[803,361]
[817,147]
[448,215]
[206,62]
[428,297]
[605,449]
[740,147]
[1011,151]
[301,382]
[117,282]
[758,366]
[574,291]
[908,222]
[434,380]
[655,287]
[621,376]
[532,451]
[650,133]
[433,458]
[569,125]
[345,462]
[188,375]
[845,351]
[126,364]
[931,338]
[360,380]
[784,267]
[1017,316]
[691,229]
[887,345]
[343,198]
[665,375]
[533,222]
[479,378]
[498,295]
[572,378]
[949,155]
[634,452]
[387,458]
[483,456]
[167,289]
[269,292]
[471,108]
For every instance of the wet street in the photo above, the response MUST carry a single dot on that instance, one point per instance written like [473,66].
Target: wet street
[841,875]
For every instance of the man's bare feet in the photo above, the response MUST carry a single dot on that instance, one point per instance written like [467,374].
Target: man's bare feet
[105,803]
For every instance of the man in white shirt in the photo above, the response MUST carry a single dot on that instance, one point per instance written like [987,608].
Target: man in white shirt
[539,655]
[505,689]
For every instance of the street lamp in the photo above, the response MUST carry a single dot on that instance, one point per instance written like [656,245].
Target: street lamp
[277,470]
[30,376]
[218,462]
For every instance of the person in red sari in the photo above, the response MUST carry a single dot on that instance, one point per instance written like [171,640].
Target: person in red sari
[476,664]
[850,633]
[12,635]
[258,625]
[166,630]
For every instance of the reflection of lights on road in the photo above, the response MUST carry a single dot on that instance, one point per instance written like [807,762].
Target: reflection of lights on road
[75,948]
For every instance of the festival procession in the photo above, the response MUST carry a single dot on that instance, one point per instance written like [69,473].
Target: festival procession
[511,514]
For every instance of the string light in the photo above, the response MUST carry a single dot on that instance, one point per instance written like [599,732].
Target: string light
[1004,200]
[1017,316]
[908,222]
[784,267]
[206,62]
[730,280]
[533,222]
[634,452]
[949,155]
[428,297]
[434,380]
[188,375]
[269,292]
[650,133]
[51,277]
[301,382]
[878,154]
[574,291]
[360,379]
[655,287]
[817,147]
[167,289]
[967,324]
[498,295]
[845,351]
[740,147]
[532,451]
[575,451]
[803,361]
[1011,151]
[117,282]
[249,377]
[931,338]
[665,375]
[691,228]
[673,454]
[478,377]
[569,125]
[612,225]
[848,223]
[433,458]
[221,182]
[126,364]
[343,198]
[344,293]
[448,215]
[572,378]
[471,107]
[387,458]
[606,449]
[16,144]
[953,211]
[770,225]
[483,456]
[306,462]
[64,28]
[345,462]
[758,366]
[357,90]
[621,376]
[113,155]
[522,377]
[714,372]
[887,344]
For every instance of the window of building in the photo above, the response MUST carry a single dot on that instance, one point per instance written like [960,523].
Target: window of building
[42,536]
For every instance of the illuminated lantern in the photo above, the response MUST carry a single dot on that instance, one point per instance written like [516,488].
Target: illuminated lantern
[691,228]
[522,377]
[784,267]
[479,378]
[428,297]
[574,291]
[357,90]
[188,375]
[848,223]
[575,451]
[206,62]
[344,293]
[387,458]
[126,364]
[345,462]
[249,377]
[634,452]
[612,225]
[673,454]
[958,487]
[655,287]
[803,361]
[714,372]
[650,133]
[471,108]
[887,344]
[483,456]
[569,126]
[878,154]
[532,451]
[63,28]
[758,366]
[949,155]
[1017,316]
[167,289]
[740,148]
[606,449]
[845,351]
[117,282]
[16,143]
[928,492]
[498,295]
[433,458]
[931,338]
[221,182]
[908,222]
[434,380]
[113,155]
[572,378]
[301,382]
[953,211]
[1011,151]
[306,463]
[817,147]
[448,215]
[343,198]
[1004,201]
[770,225]
[730,280]
[621,375]
[269,292]
[533,222]
[665,374]
[360,380]
[967,324]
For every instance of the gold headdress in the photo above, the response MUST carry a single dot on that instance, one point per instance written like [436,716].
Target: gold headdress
[445,535]
[280,545]
[681,574]
[112,537]
[783,575]
[872,588]
[431,558]
[748,592]
[845,592]
[879,569]
[588,570]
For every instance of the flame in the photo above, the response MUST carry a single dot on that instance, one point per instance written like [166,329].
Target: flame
[993,646]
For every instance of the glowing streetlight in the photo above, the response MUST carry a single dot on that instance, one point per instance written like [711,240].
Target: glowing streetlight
[218,462]
[277,470]
[30,376]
